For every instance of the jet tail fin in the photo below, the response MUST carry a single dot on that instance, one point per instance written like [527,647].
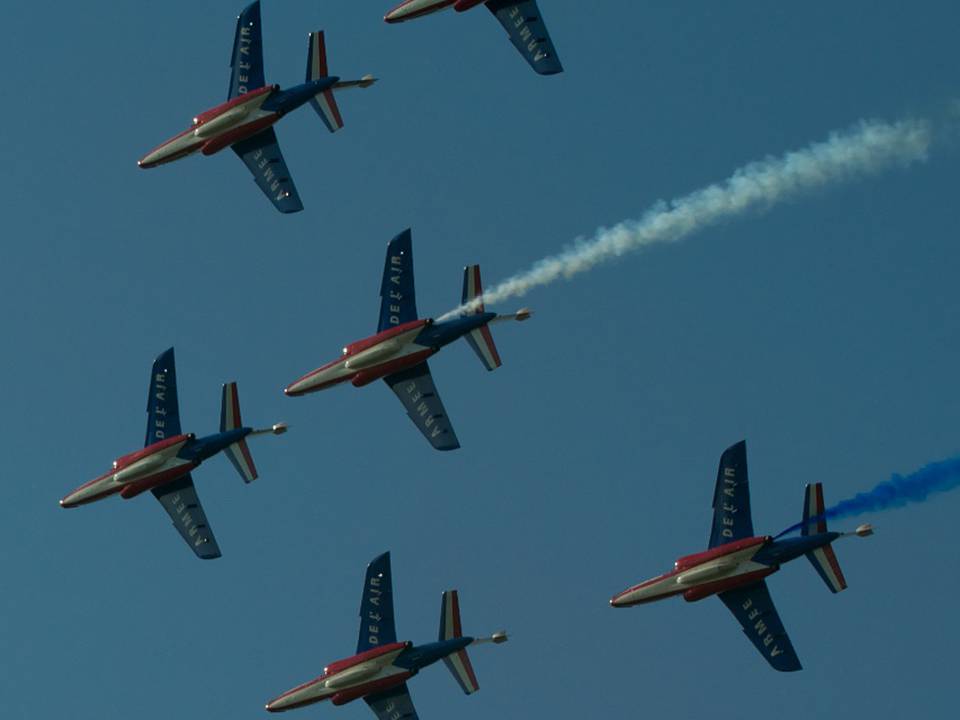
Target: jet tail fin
[823,559]
[480,339]
[238,452]
[324,102]
[457,663]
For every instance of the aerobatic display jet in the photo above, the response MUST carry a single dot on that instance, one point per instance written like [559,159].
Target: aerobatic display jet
[737,563]
[379,671]
[245,122]
[398,352]
[520,18]
[168,457]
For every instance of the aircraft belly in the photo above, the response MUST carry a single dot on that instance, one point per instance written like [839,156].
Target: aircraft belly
[348,680]
[174,149]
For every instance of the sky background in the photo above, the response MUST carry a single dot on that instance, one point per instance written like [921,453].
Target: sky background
[823,331]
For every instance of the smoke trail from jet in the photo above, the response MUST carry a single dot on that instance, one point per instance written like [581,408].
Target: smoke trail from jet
[867,148]
[896,492]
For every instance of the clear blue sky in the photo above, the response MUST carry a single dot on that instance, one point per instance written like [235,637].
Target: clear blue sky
[824,331]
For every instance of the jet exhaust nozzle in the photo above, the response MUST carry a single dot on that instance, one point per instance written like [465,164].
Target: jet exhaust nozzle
[500,636]
[276,429]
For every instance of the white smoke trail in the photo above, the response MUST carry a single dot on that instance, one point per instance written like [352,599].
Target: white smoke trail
[869,147]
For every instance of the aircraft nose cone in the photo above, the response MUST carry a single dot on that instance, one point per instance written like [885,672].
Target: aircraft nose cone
[293,389]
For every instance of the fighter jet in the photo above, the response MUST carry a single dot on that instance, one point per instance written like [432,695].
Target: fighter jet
[244,123]
[168,457]
[398,352]
[520,18]
[737,562]
[379,671]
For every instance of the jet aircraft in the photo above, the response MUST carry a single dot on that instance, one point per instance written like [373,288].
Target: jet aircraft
[379,671]
[520,18]
[168,457]
[737,562]
[245,121]
[398,352]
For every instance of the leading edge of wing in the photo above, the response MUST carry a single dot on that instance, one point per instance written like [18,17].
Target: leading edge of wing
[376,606]
[754,609]
[182,504]
[261,154]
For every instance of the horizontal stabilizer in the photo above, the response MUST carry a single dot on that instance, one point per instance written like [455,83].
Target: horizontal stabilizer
[823,559]
[480,339]
[324,103]
[459,662]
[239,455]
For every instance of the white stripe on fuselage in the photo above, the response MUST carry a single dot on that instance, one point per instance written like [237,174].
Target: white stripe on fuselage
[370,358]
[237,116]
[720,568]
[417,8]
[142,469]
[324,686]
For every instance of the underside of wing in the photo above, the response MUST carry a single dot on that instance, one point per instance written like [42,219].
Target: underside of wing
[398,301]
[731,498]
[181,502]
[376,606]
[261,154]
[246,60]
[528,33]
[419,396]
[394,704]
[758,617]
[163,410]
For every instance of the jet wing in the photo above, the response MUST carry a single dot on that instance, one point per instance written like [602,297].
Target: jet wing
[731,498]
[398,302]
[261,153]
[394,704]
[180,501]
[418,394]
[163,410]
[528,33]
[376,606]
[246,60]
[755,612]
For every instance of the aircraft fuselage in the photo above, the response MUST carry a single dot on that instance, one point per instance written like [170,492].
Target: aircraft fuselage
[158,464]
[410,9]
[387,352]
[725,567]
[235,120]
[367,673]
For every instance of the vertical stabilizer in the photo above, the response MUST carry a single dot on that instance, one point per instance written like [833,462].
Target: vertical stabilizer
[823,559]
[238,453]
[324,102]
[457,663]
[480,339]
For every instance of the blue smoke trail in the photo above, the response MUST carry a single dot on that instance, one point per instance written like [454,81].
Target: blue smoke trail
[896,492]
